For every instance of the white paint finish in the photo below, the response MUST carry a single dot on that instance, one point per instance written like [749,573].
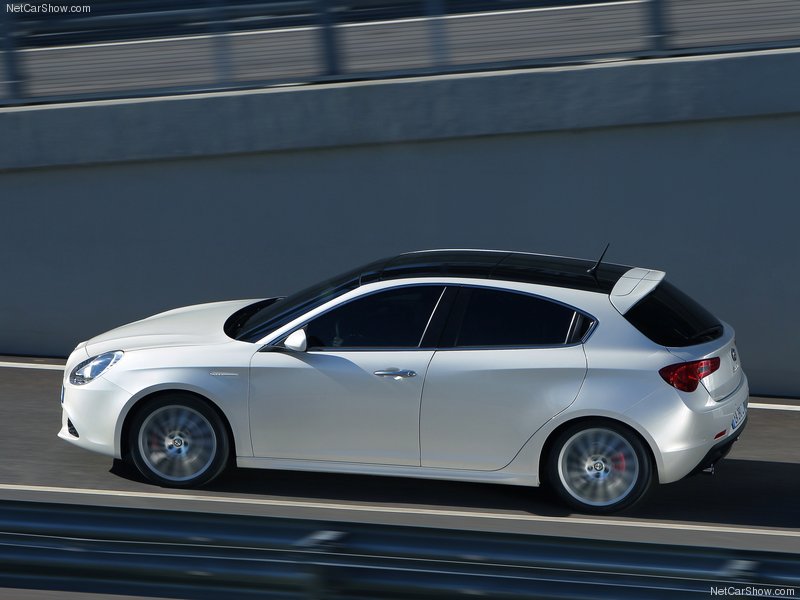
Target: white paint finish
[187,326]
[593,521]
[329,405]
[481,406]
[483,410]
[99,408]
[508,476]
[633,286]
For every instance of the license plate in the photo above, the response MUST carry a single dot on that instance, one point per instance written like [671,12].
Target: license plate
[738,416]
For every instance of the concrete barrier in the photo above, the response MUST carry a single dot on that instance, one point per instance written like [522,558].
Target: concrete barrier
[685,165]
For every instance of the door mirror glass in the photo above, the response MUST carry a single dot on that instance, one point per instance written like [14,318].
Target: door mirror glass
[296,341]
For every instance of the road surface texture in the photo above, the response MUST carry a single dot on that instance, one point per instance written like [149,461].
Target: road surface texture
[750,503]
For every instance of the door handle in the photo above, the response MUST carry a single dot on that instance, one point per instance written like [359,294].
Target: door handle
[396,373]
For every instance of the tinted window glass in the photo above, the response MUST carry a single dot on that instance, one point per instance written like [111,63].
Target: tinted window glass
[671,318]
[580,328]
[392,319]
[271,316]
[498,318]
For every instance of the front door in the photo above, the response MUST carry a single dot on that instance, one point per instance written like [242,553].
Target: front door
[354,395]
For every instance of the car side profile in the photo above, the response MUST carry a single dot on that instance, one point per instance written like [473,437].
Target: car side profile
[595,379]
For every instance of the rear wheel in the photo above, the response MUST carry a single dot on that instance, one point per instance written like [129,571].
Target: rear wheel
[178,441]
[599,468]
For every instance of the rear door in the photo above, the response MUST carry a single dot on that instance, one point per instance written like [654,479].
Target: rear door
[508,362]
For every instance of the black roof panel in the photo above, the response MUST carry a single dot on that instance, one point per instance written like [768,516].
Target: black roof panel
[452,263]
[500,265]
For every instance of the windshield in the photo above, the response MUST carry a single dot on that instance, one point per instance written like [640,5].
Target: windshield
[254,322]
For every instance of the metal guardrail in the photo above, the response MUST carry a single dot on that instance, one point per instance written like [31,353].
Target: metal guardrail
[142,48]
[176,47]
[201,555]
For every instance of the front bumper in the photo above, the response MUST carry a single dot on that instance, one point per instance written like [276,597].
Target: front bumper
[94,411]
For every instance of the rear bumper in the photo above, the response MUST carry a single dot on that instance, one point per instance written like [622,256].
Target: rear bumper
[688,429]
[721,450]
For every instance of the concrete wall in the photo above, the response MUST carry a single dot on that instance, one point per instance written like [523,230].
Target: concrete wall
[711,201]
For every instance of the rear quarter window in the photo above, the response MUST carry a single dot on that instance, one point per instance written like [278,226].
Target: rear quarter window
[669,317]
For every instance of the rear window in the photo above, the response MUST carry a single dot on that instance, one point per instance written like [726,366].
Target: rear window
[669,317]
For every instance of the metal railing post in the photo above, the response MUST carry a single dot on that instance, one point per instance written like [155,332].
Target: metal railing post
[658,27]
[10,55]
[220,40]
[435,12]
[329,48]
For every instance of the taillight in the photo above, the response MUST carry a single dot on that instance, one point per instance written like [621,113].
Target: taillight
[686,376]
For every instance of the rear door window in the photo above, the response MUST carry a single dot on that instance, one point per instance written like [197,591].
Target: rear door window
[500,318]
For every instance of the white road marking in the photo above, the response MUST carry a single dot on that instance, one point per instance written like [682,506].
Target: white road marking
[21,365]
[342,25]
[403,510]
[763,406]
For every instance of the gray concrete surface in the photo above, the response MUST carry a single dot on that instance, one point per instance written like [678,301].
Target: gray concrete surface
[749,504]
[713,203]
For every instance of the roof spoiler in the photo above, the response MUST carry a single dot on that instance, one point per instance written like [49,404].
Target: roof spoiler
[633,286]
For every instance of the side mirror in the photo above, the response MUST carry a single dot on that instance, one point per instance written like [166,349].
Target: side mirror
[296,341]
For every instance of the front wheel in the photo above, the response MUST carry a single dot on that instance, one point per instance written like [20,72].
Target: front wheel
[599,468]
[178,441]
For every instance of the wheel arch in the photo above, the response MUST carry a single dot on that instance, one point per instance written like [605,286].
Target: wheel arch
[552,436]
[140,402]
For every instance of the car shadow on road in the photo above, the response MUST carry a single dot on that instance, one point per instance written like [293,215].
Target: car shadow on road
[371,490]
[742,492]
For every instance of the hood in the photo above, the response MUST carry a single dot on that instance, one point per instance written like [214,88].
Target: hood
[188,326]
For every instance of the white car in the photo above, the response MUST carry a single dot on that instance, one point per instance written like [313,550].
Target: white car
[472,365]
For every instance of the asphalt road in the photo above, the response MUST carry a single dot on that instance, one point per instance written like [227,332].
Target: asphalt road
[751,503]
[525,36]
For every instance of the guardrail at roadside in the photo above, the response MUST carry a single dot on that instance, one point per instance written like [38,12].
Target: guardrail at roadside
[178,47]
[203,555]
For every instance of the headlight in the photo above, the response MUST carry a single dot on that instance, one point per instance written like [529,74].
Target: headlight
[94,367]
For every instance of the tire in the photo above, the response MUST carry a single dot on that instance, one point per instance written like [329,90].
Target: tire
[178,441]
[599,468]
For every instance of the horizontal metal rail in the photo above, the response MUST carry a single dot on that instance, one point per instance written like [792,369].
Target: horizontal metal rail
[204,555]
[179,47]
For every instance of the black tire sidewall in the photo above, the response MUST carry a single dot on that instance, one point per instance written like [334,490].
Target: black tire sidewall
[636,495]
[190,401]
